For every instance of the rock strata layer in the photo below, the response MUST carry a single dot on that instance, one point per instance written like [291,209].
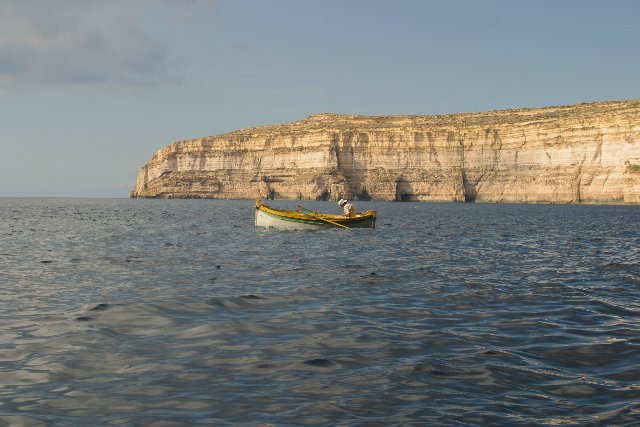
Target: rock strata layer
[585,153]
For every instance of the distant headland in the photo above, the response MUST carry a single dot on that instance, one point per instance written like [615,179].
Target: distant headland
[584,153]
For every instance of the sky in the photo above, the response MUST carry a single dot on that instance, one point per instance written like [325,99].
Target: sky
[90,90]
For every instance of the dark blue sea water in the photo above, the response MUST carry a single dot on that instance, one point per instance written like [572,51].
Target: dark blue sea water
[182,313]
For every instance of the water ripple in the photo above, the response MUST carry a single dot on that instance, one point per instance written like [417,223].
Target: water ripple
[130,312]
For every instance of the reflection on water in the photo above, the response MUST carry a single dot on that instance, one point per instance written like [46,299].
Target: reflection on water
[143,312]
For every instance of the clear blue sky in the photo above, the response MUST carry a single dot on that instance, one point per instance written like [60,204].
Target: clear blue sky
[91,89]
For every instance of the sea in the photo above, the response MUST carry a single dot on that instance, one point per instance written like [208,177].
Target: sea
[133,312]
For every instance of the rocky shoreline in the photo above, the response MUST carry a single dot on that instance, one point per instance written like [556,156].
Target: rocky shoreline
[584,153]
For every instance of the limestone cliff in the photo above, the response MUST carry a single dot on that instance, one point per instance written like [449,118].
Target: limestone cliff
[585,153]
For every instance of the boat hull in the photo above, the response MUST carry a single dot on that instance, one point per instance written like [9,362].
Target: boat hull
[294,220]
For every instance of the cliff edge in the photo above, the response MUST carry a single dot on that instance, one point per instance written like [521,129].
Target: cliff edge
[584,153]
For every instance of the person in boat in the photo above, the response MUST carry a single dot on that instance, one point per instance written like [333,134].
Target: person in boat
[348,209]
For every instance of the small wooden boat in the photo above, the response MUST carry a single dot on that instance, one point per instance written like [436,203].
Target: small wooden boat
[304,219]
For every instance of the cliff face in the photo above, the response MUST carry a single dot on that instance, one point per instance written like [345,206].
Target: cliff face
[586,153]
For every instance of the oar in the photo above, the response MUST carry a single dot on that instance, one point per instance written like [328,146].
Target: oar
[311,214]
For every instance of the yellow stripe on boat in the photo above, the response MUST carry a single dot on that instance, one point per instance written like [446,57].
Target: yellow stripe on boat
[267,216]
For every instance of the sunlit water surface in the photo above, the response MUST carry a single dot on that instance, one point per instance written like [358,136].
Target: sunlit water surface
[174,312]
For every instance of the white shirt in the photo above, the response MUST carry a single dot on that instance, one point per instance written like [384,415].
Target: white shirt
[348,209]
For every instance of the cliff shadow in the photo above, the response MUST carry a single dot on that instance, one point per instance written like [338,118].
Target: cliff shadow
[345,145]
[470,191]
[404,191]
